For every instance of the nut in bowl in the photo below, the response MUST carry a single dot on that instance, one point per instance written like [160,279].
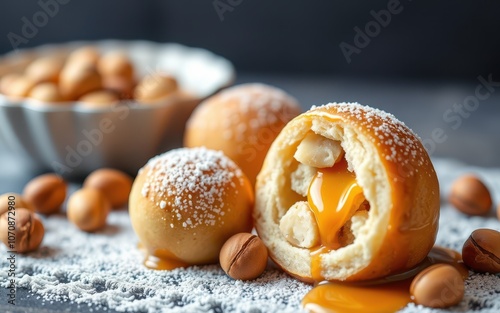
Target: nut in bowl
[89,115]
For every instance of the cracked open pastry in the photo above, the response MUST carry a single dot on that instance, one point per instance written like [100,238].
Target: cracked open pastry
[348,193]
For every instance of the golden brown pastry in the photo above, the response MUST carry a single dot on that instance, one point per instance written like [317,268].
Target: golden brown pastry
[347,192]
[242,121]
[186,203]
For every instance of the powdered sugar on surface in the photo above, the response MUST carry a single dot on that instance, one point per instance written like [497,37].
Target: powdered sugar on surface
[105,269]
[195,181]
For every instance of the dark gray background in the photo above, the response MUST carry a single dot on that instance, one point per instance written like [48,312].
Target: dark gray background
[426,39]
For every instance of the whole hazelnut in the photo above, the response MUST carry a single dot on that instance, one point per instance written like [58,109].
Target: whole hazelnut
[44,69]
[46,92]
[116,64]
[88,209]
[154,87]
[22,231]
[46,193]
[243,256]
[481,252]
[20,87]
[6,81]
[438,286]
[77,80]
[14,201]
[87,55]
[99,99]
[470,196]
[124,88]
[114,184]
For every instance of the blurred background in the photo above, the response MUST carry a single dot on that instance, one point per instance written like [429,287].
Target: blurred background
[435,65]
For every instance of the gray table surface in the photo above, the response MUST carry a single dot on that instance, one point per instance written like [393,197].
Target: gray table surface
[421,105]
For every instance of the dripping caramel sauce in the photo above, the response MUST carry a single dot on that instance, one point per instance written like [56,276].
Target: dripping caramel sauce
[334,196]
[388,294]
[160,259]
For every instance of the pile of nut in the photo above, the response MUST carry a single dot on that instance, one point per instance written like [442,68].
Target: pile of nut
[441,285]
[86,76]
[86,208]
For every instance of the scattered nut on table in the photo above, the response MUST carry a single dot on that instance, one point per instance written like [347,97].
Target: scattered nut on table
[481,252]
[88,209]
[243,256]
[13,200]
[114,184]
[438,286]
[46,193]
[28,233]
[470,196]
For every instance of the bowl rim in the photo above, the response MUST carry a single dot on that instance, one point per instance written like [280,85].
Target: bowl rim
[131,104]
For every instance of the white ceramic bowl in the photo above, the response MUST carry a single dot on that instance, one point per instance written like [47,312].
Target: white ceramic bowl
[74,140]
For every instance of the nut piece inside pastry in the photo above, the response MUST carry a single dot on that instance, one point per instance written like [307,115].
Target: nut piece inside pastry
[347,192]
[317,151]
[299,226]
[301,178]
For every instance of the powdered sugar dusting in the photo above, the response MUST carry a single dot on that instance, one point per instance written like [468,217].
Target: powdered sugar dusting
[404,146]
[192,184]
[103,270]
[257,106]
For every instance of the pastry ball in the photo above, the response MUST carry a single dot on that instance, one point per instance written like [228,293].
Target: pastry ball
[348,193]
[242,121]
[187,202]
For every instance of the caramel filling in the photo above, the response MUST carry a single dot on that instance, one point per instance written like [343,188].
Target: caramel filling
[385,295]
[334,196]
[340,298]
[160,259]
